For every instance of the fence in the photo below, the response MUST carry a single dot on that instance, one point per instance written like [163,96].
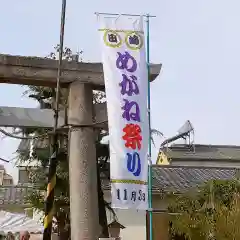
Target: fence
[14,195]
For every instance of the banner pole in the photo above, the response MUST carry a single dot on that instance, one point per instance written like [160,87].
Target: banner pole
[123,14]
[149,141]
[49,201]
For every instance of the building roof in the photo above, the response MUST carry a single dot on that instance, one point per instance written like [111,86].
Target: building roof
[202,152]
[178,179]
[7,176]
[165,179]
[175,178]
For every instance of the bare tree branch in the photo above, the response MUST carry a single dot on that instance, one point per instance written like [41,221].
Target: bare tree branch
[4,160]
[18,137]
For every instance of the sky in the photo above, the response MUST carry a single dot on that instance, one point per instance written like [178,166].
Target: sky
[196,41]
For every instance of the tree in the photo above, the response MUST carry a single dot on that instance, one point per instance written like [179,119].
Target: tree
[45,96]
[209,212]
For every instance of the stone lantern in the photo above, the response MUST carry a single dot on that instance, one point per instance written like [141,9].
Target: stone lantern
[114,229]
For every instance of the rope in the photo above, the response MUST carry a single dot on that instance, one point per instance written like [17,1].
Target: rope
[49,201]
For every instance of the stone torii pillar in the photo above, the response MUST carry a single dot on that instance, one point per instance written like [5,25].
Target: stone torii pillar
[82,164]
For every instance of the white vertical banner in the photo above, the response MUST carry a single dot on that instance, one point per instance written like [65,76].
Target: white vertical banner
[126,84]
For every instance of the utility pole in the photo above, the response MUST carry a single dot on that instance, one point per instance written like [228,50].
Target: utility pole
[82,164]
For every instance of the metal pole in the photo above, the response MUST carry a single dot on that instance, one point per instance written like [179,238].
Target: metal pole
[49,202]
[149,143]
[123,14]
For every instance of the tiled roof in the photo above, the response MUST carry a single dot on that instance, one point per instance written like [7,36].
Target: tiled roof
[165,179]
[202,152]
[173,178]
[7,176]
[180,179]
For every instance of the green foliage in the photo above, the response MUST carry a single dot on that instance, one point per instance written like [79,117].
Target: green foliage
[38,174]
[222,190]
[211,212]
[67,54]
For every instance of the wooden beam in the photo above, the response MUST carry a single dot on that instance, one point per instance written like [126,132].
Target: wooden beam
[43,72]
[43,118]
